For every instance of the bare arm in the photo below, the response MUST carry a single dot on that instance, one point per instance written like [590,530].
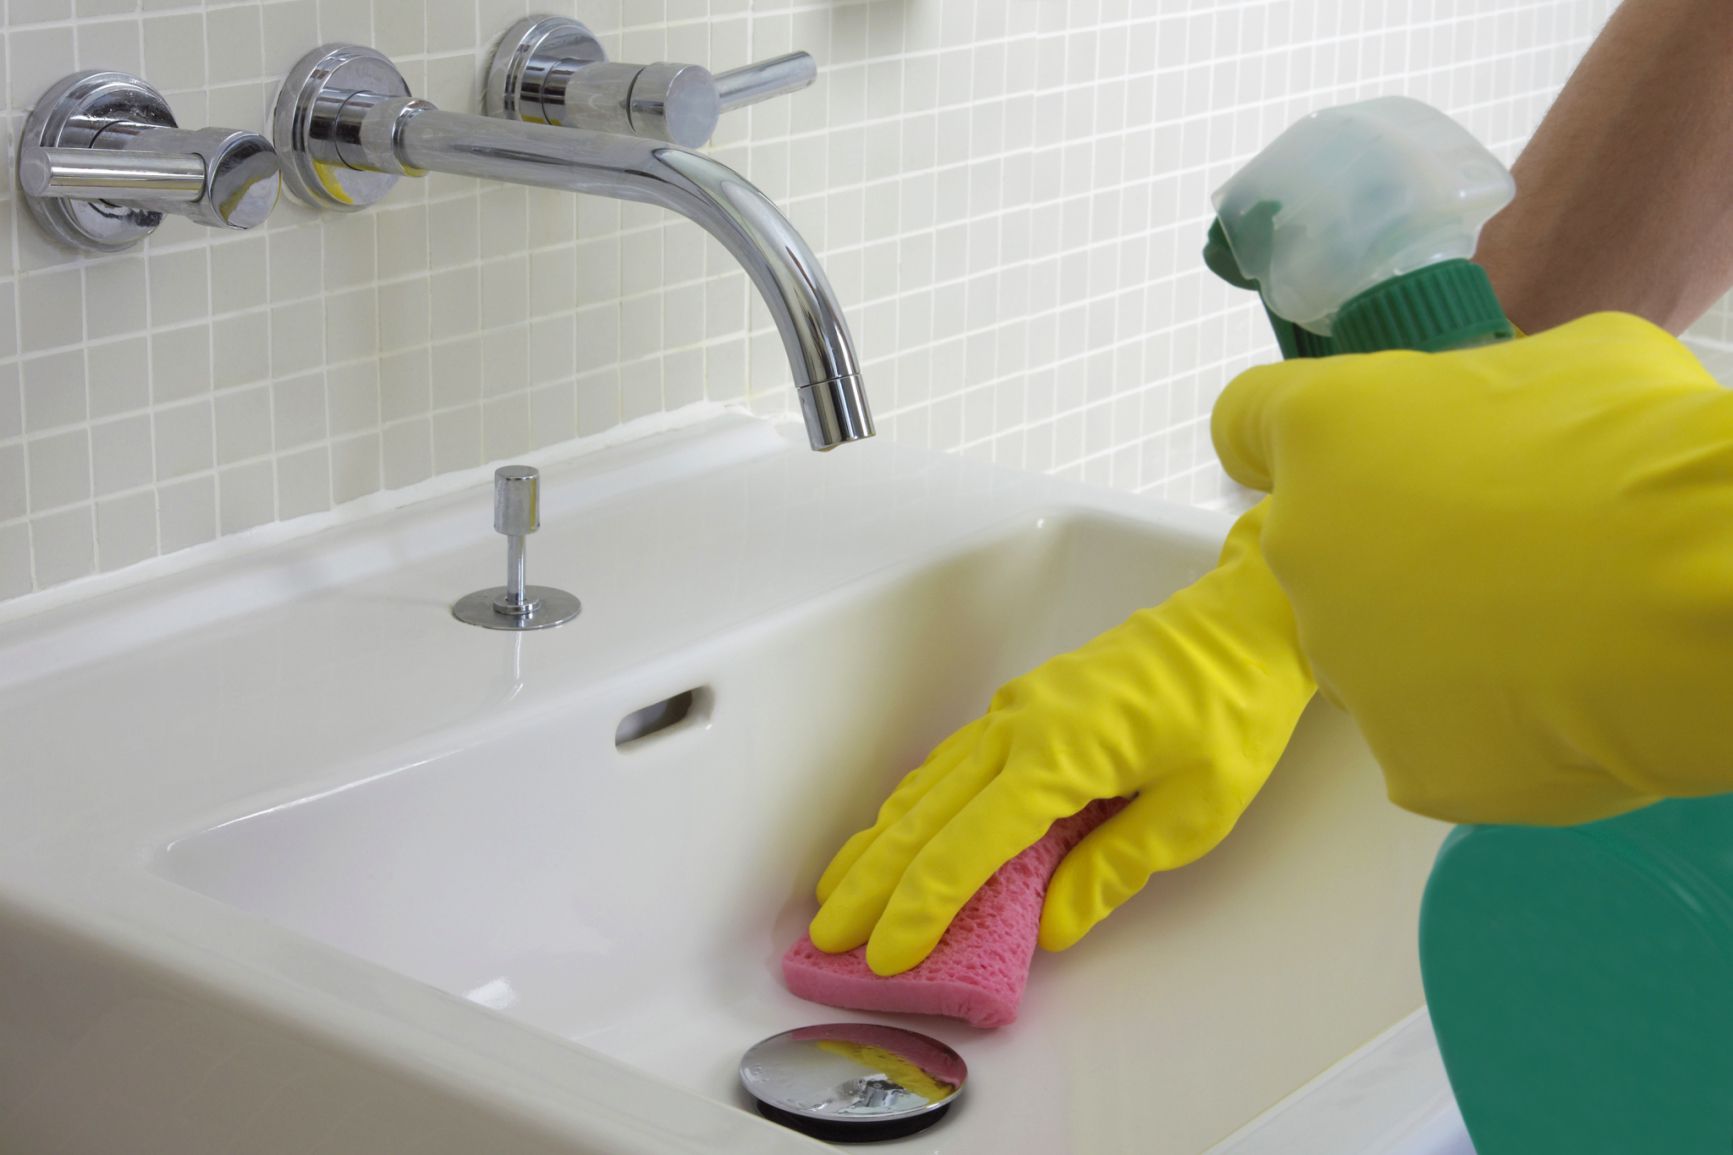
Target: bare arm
[1625,195]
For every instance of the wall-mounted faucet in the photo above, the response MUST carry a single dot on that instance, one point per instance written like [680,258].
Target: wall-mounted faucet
[551,70]
[101,160]
[348,129]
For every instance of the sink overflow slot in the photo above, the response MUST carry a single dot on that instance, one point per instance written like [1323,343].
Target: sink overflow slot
[676,712]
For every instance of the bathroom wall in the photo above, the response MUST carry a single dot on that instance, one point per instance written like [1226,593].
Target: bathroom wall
[1712,335]
[1009,195]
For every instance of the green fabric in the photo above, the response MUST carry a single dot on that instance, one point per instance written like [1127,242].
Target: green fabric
[1580,980]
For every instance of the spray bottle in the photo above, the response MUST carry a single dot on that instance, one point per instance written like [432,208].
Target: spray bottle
[1579,979]
[1357,226]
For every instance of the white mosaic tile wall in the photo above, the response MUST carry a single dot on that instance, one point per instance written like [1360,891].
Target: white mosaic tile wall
[1714,332]
[1008,194]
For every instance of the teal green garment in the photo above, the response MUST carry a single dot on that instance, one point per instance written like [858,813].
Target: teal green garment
[1580,980]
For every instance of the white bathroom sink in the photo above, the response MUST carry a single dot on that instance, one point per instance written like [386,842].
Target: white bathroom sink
[293,861]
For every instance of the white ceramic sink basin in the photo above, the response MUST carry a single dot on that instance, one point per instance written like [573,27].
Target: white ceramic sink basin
[294,862]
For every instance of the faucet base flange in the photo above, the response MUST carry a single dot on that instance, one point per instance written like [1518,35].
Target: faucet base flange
[517,69]
[303,124]
[552,608]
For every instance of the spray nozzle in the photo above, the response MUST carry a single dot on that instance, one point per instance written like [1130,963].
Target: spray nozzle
[1356,226]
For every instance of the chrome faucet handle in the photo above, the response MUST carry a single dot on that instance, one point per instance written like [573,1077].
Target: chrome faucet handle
[101,161]
[551,70]
[517,605]
[763,79]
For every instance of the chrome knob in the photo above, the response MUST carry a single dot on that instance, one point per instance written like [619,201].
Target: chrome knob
[517,605]
[678,103]
[517,491]
[551,70]
[102,160]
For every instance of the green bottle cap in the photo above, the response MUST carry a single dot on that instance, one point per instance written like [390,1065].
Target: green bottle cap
[1449,305]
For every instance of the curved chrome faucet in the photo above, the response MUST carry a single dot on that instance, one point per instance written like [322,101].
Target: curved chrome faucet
[347,128]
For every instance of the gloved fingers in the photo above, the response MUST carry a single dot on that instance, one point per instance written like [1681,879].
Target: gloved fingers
[857,900]
[1324,404]
[1173,822]
[1009,815]
[850,853]
[1307,401]
[1242,423]
[946,757]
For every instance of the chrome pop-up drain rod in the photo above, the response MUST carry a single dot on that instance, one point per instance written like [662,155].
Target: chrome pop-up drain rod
[516,605]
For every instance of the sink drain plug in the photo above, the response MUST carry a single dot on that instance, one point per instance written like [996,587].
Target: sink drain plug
[853,1082]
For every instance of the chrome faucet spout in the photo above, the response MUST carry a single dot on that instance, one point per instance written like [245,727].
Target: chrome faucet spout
[344,127]
[815,336]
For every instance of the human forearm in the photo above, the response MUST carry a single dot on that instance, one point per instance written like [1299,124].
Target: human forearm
[1624,196]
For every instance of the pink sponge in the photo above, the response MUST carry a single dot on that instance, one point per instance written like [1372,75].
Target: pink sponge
[978,970]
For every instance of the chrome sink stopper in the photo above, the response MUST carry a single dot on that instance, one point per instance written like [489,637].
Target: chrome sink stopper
[516,605]
[853,1082]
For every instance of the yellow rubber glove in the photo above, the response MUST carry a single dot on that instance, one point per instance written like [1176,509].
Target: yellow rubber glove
[1187,706]
[1512,565]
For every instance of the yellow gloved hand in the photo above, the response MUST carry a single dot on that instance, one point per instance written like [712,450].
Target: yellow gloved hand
[1187,706]
[1513,565]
